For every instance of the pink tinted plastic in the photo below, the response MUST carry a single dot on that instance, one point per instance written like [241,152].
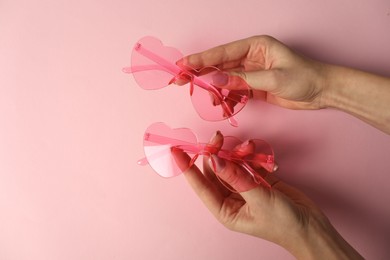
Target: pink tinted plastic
[153,66]
[213,108]
[159,139]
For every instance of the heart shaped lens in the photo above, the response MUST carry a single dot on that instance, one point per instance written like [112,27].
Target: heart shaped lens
[158,141]
[153,64]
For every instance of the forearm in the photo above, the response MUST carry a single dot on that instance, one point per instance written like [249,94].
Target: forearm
[364,95]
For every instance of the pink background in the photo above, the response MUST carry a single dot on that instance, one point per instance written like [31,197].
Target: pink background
[71,126]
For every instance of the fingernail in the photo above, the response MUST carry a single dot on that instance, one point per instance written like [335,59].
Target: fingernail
[216,163]
[180,62]
[183,62]
[174,149]
[212,139]
[220,79]
[244,144]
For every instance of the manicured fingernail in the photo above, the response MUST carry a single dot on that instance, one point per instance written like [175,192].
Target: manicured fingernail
[217,163]
[212,139]
[183,62]
[244,144]
[174,149]
[220,79]
[180,62]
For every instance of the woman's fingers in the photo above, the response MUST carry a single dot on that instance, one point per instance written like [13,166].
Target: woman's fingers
[218,55]
[214,145]
[205,189]
[233,174]
[246,148]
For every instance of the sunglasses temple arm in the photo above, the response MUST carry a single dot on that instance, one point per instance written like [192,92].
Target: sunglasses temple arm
[159,139]
[169,66]
[139,68]
[174,69]
[143,161]
[232,121]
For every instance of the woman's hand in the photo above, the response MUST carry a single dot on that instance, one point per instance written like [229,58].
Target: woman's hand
[270,68]
[282,214]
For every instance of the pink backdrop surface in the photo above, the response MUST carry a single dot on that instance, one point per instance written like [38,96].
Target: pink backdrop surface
[71,126]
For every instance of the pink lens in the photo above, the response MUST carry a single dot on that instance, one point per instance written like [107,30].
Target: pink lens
[218,104]
[158,140]
[149,62]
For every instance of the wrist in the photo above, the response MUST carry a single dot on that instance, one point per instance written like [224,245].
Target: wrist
[321,240]
[361,94]
[332,91]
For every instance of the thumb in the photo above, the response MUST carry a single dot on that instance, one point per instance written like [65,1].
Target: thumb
[264,80]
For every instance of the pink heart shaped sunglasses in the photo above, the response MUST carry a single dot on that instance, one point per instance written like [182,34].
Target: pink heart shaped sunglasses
[159,139]
[153,66]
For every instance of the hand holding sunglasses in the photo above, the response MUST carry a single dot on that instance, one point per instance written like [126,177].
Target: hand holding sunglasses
[160,140]
[153,66]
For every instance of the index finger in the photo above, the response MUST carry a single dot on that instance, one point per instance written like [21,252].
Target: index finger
[202,186]
[228,53]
